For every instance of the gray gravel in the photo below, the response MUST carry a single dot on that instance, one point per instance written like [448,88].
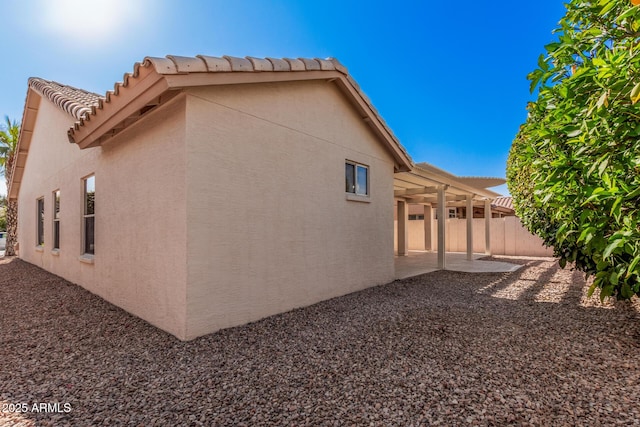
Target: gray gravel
[445,348]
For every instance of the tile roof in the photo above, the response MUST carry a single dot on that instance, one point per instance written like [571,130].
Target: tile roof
[83,105]
[173,64]
[80,103]
[76,102]
[504,202]
[209,64]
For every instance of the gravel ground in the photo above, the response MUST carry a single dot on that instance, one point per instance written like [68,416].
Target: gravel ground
[445,348]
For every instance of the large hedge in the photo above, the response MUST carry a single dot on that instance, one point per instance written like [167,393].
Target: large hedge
[574,167]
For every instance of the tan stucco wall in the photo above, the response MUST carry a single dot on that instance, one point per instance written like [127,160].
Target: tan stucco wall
[222,207]
[508,237]
[269,225]
[140,259]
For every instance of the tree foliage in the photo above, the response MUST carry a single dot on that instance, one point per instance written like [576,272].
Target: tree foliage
[574,167]
[9,136]
[3,213]
[8,143]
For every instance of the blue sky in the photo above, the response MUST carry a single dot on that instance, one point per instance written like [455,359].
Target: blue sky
[448,77]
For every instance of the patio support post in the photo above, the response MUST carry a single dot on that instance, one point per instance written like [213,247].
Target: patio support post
[487,227]
[442,220]
[470,227]
[403,229]
[428,222]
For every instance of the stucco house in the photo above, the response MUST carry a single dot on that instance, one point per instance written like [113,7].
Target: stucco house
[207,192]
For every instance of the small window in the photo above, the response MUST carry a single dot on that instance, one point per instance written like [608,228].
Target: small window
[416,217]
[89,214]
[357,179]
[56,219]
[450,212]
[40,221]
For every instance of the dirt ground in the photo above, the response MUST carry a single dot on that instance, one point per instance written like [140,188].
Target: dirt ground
[445,348]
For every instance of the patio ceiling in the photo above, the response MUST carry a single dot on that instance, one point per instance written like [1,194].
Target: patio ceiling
[421,185]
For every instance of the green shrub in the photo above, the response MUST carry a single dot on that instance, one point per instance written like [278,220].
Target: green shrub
[574,167]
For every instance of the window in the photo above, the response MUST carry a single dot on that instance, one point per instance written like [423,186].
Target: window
[357,178]
[451,213]
[56,219]
[416,217]
[40,221]
[89,214]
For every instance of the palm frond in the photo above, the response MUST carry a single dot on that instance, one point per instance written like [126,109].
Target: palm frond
[9,137]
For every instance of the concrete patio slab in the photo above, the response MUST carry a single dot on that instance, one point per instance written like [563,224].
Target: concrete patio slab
[421,262]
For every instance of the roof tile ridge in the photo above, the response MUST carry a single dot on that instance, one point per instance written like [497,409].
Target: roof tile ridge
[216,64]
[338,66]
[53,82]
[188,64]
[295,64]
[239,64]
[148,61]
[72,106]
[279,64]
[261,64]
[161,65]
[310,64]
[375,111]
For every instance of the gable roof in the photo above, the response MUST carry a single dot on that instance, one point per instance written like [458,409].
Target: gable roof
[156,80]
[75,102]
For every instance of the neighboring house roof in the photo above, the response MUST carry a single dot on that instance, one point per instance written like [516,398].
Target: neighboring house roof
[504,202]
[155,81]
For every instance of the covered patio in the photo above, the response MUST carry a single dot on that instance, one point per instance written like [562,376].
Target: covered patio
[440,194]
[421,262]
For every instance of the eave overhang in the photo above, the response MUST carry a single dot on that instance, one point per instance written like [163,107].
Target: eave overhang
[29,115]
[157,80]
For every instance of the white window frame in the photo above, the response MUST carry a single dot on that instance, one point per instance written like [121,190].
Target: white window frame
[85,216]
[358,190]
[452,213]
[40,222]
[55,220]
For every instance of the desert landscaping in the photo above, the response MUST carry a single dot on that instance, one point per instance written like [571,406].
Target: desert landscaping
[444,348]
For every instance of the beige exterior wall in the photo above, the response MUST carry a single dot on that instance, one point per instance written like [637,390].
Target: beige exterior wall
[508,237]
[249,179]
[269,224]
[140,179]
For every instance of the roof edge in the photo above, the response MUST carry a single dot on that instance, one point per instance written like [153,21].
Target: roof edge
[65,102]
[29,115]
[173,65]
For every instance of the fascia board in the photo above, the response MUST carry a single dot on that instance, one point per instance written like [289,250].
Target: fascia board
[29,116]
[129,99]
